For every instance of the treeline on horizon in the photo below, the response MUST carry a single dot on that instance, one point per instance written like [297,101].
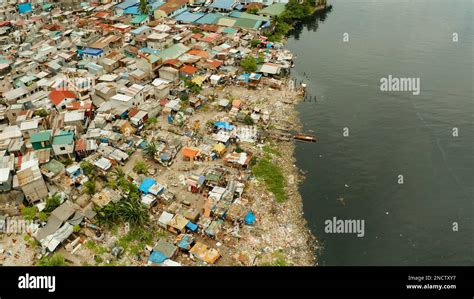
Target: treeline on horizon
[294,11]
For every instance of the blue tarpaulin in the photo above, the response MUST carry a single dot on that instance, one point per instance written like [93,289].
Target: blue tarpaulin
[92,51]
[146,185]
[244,77]
[224,125]
[157,257]
[249,218]
[24,7]
[193,227]
[185,243]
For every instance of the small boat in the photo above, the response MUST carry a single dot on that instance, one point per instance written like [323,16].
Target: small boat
[305,137]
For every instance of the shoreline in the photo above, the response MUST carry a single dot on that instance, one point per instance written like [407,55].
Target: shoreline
[285,224]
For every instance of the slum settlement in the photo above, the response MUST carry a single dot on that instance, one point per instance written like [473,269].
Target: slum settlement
[148,133]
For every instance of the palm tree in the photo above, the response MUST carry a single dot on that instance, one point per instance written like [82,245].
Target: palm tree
[52,202]
[90,187]
[118,173]
[131,210]
[108,214]
[150,150]
[140,167]
[143,7]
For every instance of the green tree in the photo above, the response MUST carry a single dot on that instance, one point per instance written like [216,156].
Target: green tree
[248,120]
[131,210]
[42,216]
[118,173]
[249,64]
[143,7]
[254,42]
[90,187]
[140,167]
[192,87]
[29,213]
[40,112]
[252,11]
[150,150]
[52,202]
[52,261]
[151,121]
[88,168]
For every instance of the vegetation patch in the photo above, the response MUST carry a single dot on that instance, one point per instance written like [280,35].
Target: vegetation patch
[271,150]
[52,261]
[273,177]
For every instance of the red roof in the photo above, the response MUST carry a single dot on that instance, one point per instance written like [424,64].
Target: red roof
[173,62]
[214,62]
[57,96]
[79,106]
[133,112]
[188,69]
[200,53]
[81,145]
[102,14]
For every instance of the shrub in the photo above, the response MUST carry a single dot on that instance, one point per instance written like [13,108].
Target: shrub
[249,64]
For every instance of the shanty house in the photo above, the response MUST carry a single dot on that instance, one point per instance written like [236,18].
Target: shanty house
[63,144]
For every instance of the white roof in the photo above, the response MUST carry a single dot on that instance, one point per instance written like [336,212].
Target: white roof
[270,68]
[73,116]
[29,124]
[148,199]
[158,81]
[121,97]
[103,163]
[4,174]
[165,218]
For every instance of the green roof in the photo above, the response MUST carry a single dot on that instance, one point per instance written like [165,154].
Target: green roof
[53,166]
[138,19]
[173,52]
[244,15]
[273,10]
[41,136]
[64,137]
[153,58]
[247,23]
[229,30]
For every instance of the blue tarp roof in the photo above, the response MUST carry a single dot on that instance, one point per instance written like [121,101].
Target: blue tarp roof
[92,51]
[185,242]
[223,4]
[126,4]
[146,185]
[189,17]
[132,10]
[244,77]
[249,218]
[224,125]
[24,7]
[157,257]
[255,76]
[193,227]
[140,29]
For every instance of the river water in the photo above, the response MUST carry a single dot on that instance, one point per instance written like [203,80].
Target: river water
[428,219]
